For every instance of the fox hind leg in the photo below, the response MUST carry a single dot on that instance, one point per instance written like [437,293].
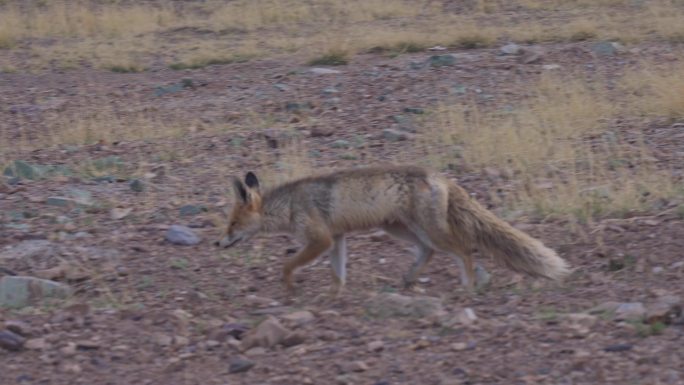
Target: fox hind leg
[466,268]
[423,252]
[338,264]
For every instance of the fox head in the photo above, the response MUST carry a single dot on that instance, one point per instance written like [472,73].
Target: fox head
[246,218]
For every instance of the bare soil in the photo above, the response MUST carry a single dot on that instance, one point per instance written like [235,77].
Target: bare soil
[129,305]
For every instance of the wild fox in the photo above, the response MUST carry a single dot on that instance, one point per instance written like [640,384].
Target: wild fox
[409,203]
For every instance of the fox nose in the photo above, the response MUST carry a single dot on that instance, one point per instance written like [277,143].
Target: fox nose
[217,244]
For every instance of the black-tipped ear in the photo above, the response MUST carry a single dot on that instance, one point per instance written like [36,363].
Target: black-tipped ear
[240,189]
[251,181]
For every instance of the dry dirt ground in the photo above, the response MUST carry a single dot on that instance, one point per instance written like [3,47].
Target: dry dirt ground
[149,312]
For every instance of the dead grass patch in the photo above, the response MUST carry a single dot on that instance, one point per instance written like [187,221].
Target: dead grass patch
[334,57]
[554,153]
[658,90]
[290,26]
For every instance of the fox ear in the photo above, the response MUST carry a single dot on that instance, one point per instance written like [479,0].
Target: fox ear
[252,181]
[240,190]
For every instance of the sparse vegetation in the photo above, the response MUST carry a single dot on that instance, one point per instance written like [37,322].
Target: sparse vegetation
[331,58]
[124,69]
[573,133]
[542,149]
[84,28]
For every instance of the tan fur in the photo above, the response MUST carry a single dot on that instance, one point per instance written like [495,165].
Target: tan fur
[410,203]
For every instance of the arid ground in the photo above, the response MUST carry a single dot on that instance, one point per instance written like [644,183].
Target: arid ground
[120,119]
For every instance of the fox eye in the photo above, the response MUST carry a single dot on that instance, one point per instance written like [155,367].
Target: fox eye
[233,223]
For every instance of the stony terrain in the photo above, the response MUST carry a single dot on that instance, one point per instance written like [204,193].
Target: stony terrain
[95,218]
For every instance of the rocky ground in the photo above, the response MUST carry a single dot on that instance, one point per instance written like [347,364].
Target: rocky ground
[95,221]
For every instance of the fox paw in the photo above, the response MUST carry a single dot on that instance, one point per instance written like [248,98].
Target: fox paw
[409,283]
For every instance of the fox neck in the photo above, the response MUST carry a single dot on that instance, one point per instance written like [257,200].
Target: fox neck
[275,215]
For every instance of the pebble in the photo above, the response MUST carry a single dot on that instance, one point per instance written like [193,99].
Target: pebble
[239,365]
[11,341]
[181,235]
[376,346]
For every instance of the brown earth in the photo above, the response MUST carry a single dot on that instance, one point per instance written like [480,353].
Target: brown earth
[155,313]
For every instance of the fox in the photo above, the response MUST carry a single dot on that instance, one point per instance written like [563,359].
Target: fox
[410,203]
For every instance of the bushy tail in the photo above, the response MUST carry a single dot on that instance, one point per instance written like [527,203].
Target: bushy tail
[477,226]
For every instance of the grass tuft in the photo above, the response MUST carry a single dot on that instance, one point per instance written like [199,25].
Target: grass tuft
[333,57]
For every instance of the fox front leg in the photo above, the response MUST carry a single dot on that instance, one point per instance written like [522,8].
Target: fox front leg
[314,248]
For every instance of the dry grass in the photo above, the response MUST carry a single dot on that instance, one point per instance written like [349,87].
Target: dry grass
[83,19]
[101,124]
[72,28]
[554,153]
[659,90]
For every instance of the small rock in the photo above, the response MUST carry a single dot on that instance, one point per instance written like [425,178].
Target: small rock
[605,307]
[376,346]
[465,316]
[437,48]
[162,339]
[442,60]
[11,341]
[459,346]
[69,350]
[181,235]
[531,56]
[657,270]
[269,333]
[181,341]
[298,318]
[629,311]
[662,312]
[324,71]
[18,327]
[604,48]
[358,366]
[189,210]
[24,170]
[511,49]
[234,330]
[344,379]
[395,135]
[414,110]
[330,90]
[64,202]
[18,291]
[239,365]
[4,189]
[136,185]
[618,348]
[255,351]
[36,344]
[397,305]
[30,249]
[550,67]
[118,213]
[68,270]
[261,301]
[72,368]
[583,319]
[317,132]
[293,339]
[340,143]
[420,345]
